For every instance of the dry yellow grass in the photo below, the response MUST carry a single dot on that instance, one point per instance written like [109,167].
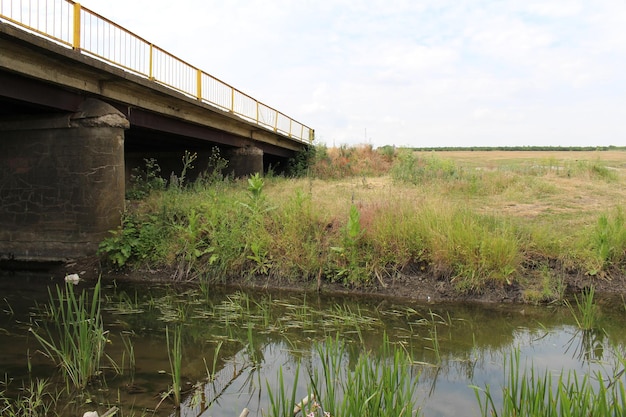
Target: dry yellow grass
[616,159]
[577,199]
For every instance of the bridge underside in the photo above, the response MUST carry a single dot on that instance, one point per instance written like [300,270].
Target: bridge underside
[150,134]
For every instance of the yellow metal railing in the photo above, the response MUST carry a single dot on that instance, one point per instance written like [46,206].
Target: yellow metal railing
[72,25]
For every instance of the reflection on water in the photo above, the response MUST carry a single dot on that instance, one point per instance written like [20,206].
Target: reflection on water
[235,343]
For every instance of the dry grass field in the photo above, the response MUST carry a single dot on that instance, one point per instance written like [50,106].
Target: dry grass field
[550,190]
[526,184]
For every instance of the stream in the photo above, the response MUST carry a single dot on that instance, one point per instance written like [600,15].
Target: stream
[235,343]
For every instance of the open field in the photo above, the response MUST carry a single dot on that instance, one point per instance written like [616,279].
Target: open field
[614,158]
[558,186]
[558,182]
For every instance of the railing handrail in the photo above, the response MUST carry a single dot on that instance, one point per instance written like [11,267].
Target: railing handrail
[77,27]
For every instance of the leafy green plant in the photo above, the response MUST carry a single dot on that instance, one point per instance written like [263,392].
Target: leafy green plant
[215,167]
[193,244]
[261,259]
[120,246]
[188,160]
[136,240]
[350,258]
[74,336]
[257,203]
[145,180]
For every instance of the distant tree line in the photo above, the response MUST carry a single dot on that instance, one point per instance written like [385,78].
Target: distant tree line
[523,148]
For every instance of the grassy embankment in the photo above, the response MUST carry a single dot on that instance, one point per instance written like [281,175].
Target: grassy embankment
[362,216]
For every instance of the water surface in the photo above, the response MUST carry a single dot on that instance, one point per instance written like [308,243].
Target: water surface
[236,342]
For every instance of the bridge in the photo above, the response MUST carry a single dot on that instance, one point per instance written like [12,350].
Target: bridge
[83,101]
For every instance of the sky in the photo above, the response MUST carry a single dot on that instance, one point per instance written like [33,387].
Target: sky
[418,73]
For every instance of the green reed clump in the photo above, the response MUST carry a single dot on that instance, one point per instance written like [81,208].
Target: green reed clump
[175,356]
[282,401]
[528,393]
[33,400]
[376,385]
[608,239]
[586,311]
[74,336]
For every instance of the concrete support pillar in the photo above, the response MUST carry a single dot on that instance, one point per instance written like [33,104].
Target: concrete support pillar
[245,161]
[61,182]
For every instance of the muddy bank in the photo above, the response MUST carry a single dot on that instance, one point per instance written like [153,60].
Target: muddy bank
[410,286]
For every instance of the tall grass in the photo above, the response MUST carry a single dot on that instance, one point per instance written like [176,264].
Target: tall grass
[374,386]
[585,312]
[74,336]
[175,356]
[283,400]
[528,393]
[609,239]
[470,247]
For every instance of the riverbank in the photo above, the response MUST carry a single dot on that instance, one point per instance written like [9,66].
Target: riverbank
[490,226]
[406,287]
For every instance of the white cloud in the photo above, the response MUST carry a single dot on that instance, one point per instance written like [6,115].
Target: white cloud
[425,73]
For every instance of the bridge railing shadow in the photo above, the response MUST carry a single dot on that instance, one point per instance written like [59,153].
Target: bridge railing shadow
[68,23]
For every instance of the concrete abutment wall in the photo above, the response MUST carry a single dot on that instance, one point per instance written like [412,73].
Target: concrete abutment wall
[61,182]
[245,161]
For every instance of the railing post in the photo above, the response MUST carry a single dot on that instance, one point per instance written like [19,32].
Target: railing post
[232,99]
[276,122]
[76,39]
[150,71]
[257,111]
[199,83]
